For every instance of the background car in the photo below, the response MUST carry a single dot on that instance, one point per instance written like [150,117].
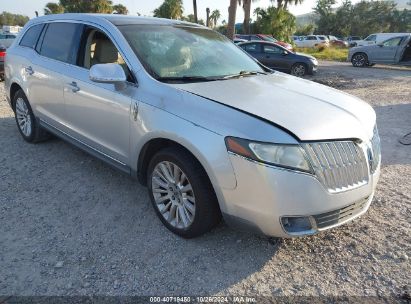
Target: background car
[312,41]
[395,50]
[378,38]
[337,42]
[6,39]
[2,55]
[353,40]
[263,37]
[238,40]
[279,58]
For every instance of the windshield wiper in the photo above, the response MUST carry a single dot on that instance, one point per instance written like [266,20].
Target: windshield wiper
[187,79]
[244,73]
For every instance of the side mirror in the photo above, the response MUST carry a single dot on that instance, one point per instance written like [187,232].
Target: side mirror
[107,73]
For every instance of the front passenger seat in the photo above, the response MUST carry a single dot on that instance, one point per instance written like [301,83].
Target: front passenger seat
[104,52]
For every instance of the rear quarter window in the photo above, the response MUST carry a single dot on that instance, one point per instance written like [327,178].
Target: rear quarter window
[61,41]
[32,35]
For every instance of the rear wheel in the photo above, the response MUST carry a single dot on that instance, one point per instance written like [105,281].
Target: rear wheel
[359,60]
[299,69]
[181,193]
[27,124]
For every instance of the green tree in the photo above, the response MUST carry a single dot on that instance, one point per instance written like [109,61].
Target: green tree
[7,18]
[215,16]
[80,6]
[120,9]
[305,30]
[326,22]
[53,8]
[89,6]
[170,9]
[284,3]
[278,22]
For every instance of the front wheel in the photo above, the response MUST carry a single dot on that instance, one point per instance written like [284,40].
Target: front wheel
[359,60]
[181,193]
[299,69]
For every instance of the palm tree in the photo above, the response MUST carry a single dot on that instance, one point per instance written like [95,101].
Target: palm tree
[171,9]
[208,17]
[215,16]
[195,11]
[53,8]
[232,11]
[284,3]
[120,9]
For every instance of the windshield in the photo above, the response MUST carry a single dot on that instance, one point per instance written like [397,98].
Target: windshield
[187,52]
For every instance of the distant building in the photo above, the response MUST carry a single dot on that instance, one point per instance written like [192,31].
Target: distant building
[12,29]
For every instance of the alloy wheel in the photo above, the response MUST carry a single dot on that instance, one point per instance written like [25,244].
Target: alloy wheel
[298,70]
[23,117]
[173,194]
[359,60]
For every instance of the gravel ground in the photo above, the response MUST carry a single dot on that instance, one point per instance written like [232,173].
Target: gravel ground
[71,225]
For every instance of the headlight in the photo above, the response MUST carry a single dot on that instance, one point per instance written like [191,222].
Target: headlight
[280,155]
[313,60]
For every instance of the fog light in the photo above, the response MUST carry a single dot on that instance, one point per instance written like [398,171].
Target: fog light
[297,225]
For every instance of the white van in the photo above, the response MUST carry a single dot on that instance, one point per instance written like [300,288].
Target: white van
[378,38]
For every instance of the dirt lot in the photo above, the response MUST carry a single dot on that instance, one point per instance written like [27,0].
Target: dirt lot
[71,225]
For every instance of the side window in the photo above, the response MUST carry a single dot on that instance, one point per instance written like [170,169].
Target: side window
[252,47]
[31,36]
[97,48]
[61,41]
[271,49]
[311,38]
[393,41]
[371,38]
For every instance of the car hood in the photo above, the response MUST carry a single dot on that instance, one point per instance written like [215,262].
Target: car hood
[305,55]
[307,109]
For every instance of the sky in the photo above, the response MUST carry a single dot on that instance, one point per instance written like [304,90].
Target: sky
[146,7]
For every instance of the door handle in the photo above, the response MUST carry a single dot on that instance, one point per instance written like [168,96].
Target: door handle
[29,70]
[74,87]
[135,111]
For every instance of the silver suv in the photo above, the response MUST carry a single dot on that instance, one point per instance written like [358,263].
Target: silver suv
[210,131]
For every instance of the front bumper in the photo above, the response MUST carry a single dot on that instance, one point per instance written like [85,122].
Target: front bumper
[266,194]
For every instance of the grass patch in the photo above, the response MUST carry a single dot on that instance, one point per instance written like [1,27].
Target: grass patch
[330,53]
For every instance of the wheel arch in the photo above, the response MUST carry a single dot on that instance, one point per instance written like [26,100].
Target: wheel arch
[14,88]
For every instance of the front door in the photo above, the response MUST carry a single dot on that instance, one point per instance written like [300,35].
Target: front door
[99,113]
[386,51]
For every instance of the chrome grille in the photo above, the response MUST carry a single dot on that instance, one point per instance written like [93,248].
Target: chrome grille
[376,151]
[335,217]
[339,165]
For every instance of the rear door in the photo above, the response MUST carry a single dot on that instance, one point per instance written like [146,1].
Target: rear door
[386,51]
[254,49]
[57,49]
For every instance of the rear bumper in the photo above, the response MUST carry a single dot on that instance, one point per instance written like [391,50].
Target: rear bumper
[265,196]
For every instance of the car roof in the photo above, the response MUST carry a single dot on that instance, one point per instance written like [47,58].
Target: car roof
[261,42]
[115,19]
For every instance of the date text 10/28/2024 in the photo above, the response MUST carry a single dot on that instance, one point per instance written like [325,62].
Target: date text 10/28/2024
[205,299]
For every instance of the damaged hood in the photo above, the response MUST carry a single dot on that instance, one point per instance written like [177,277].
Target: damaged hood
[309,110]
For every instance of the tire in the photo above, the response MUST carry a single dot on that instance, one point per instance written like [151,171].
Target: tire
[359,60]
[299,69]
[27,123]
[187,213]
